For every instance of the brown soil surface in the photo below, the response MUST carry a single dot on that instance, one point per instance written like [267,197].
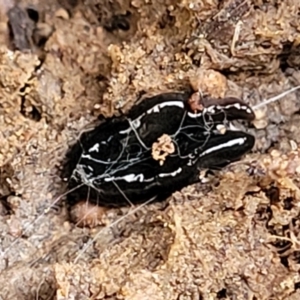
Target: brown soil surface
[235,237]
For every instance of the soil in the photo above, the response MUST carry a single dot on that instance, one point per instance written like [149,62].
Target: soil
[64,63]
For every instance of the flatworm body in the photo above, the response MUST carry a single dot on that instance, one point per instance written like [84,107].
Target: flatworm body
[112,165]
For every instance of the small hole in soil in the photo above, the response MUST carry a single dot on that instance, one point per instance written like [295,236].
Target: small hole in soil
[73,2]
[33,14]
[266,44]
[297,285]
[222,294]
[123,25]
[264,214]
[288,203]
[166,20]
[284,261]
[284,55]
[34,114]
[40,41]
[5,208]
[120,22]
[296,256]
[273,194]
[196,62]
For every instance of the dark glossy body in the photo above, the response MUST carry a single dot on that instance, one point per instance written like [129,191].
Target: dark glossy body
[114,160]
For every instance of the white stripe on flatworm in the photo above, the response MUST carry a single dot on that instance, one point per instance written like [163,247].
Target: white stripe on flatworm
[236,105]
[193,115]
[95,148]
[238,141]
[156,109]
[126,131]
[140,177]
[170,174]
[129,178]
[211,109]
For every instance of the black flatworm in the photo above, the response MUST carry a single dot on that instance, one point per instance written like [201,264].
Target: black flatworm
[113,165]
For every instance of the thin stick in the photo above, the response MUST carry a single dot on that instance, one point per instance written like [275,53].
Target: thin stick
[275,98]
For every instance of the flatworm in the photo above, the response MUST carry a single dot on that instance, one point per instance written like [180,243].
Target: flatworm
[112,165]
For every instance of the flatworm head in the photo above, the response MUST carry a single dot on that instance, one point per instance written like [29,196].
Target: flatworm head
[113,164]
[233,108]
